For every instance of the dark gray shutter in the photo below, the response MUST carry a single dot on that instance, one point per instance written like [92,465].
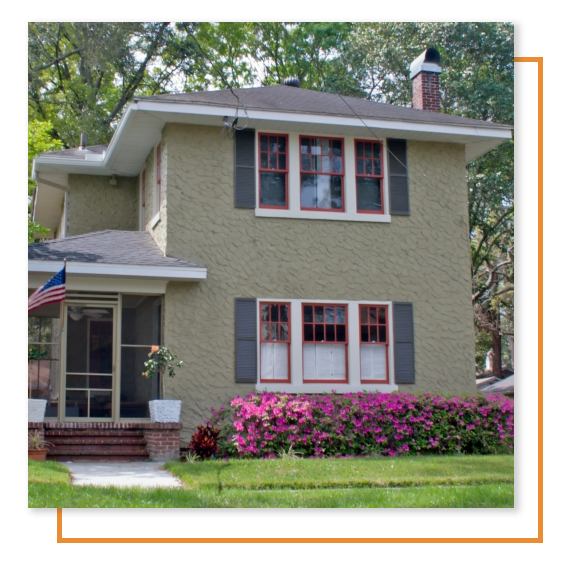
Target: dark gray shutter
[398,183]
[245,341]
[244,174]
[403,351]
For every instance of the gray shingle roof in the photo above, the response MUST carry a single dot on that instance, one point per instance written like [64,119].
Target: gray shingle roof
[77,153]
[108,246]
[280,98]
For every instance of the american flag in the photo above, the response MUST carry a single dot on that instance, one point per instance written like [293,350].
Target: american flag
[51,292]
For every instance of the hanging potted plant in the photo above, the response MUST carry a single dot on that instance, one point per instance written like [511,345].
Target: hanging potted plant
[163,410]
[37,447]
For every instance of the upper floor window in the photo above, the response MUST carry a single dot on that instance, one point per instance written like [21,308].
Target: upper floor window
[369,176]
[273,170]
[322,174]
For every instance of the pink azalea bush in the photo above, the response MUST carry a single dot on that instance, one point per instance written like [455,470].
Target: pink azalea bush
[262,425]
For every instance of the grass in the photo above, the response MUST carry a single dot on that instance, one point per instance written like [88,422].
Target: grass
[456,481]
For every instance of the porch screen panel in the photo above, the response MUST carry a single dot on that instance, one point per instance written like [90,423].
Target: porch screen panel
[140,329]
[44,356]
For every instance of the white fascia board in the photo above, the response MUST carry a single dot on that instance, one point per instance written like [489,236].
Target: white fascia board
[451,129]
[120,270]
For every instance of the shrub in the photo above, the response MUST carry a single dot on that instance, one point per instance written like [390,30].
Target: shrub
[265,425]
[204,443]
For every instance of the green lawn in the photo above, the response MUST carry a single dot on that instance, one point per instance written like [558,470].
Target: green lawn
[444,481]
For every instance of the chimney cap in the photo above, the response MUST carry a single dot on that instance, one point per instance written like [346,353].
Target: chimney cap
[292,81]
[83,141]
[429,61]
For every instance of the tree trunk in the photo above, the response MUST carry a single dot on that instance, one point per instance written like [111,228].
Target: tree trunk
[497,346]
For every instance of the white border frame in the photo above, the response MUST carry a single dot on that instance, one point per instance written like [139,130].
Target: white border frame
[297,384]
[350,189]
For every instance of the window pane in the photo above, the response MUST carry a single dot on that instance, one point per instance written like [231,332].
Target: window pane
[265,332]
[308,333]
[316,164]
[341,333]
[372,315]
[305,145]
[363,314]
[273,189]
[273,143]
[316,148]
[337,147]
[359,149]
[274,362]
[319,337]
[282,161]
[308,314]
[364,333]
[337,164]
[100,405]
[76,381]
[325,147]
[330,333]
[367,149]
[265,312]
[282,144]
[368,167]
[318,314]
[377,167]
[329,314]
[274,332]
[381,316]
[340,314]
[306,163]
[264,143]
[284,332]
[273,161]
[373,362]
[373,334]
[284,313]
[274,313]
[309,189]
[360,166]
[264,161]
[376,150]
[368,194]
[139,320]
[326,166]
[382,334]
[101,381]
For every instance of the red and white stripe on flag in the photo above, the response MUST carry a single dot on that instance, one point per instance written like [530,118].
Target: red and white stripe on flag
[53,291]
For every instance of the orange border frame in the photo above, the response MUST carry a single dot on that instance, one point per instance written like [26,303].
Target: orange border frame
[387,532]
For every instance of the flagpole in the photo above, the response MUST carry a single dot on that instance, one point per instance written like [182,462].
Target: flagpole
[63,307]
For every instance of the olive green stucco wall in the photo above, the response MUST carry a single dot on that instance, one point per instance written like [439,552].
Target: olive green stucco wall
[422,258]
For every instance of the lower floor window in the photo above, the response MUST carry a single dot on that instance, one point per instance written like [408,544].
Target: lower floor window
[275,342]
[373,344]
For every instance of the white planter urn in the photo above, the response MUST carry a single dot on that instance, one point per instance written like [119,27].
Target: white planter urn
[165,411]
[36,410]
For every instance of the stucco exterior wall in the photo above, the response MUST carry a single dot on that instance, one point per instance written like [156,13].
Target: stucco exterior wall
[152,205]
[422,258]
[96,205]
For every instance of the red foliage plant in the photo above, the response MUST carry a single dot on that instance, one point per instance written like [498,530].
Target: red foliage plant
[204,443]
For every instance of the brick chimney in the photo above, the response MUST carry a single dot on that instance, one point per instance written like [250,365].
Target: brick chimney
[425,72]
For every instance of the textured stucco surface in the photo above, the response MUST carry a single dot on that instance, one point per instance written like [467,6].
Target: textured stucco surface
[152,194]
[96,205]
[422,258]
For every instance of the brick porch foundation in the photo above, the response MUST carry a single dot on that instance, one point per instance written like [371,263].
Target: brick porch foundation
[125,442]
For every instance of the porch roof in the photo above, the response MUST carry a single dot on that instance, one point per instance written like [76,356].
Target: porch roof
[111,253]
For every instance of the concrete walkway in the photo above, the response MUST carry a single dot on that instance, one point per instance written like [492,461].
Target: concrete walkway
[121,474]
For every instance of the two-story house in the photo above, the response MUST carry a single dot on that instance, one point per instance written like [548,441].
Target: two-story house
[319,243]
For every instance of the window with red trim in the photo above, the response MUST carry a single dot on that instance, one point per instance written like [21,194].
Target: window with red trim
[273,170]
[275,342]
[322,173]
[369,176]
[325,339]
[374,343]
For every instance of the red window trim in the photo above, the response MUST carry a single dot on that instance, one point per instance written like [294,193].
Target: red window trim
[143,184]
[380,177]
[289,341]
[332,174]
[386,343]
[267,170]
[345,343]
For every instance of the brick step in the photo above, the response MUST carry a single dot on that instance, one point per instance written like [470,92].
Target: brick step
[61,441]
[111,448]
[98,451]
[98,458]
[93,432]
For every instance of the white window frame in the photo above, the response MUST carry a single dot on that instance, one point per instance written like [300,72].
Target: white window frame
[354,384]
[350,186]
